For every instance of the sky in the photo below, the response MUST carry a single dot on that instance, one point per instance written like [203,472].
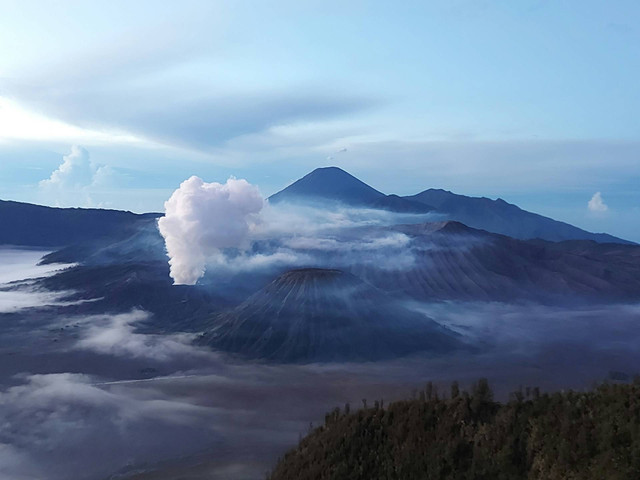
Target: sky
[114,104]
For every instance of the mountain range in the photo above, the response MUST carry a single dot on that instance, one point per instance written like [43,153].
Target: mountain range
[35,225]
[338,304]
[456,262]
[335,185]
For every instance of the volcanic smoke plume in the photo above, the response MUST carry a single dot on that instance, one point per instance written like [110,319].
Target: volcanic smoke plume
[203,218]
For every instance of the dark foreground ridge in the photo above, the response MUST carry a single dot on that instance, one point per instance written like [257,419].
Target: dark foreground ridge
[567,435]
[25,224]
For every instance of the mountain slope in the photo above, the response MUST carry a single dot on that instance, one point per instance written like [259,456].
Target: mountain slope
[456,262]
[335,185]
[499,216]
[117,288]
[34,225]
[332,184]
[322,315]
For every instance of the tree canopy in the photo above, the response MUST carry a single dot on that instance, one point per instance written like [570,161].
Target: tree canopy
[564,435]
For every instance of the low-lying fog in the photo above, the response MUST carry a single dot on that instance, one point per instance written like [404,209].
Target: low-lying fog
[86,397]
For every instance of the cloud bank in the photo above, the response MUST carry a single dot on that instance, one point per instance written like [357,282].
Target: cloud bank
[18,268]
[90,427]
[201,219]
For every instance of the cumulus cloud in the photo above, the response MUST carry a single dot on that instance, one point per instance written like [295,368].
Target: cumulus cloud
[596,204]
[74,171]
[77,171]
[75,178]
[201,219]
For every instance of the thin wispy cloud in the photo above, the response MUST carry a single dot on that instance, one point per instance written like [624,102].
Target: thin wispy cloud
[116,335]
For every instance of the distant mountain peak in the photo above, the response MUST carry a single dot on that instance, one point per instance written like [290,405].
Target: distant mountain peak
[333,184]
[330,169]
[329,183]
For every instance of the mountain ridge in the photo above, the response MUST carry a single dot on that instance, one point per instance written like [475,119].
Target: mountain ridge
[496,216]
[27,224]
[500,216]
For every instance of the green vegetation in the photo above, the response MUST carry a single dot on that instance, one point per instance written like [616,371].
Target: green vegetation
[566,435]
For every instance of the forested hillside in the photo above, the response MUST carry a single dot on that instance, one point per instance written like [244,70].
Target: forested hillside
[559,436]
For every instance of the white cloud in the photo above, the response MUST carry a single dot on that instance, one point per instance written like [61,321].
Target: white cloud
[19,123]
[76,179]
[18,264]
[281,257]
[596,204]
[14,300]
[116,335]
[75,171]
[17,270]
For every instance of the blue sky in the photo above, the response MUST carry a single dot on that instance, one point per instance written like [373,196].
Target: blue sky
[532,101]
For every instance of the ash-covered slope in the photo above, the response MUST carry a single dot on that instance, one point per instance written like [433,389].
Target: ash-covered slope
[311,315]
[139,243]
[118,288]
[456,262]
[133,273]
[332,184]
[498,216]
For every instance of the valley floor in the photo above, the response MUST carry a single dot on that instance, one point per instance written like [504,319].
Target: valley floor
[91,397]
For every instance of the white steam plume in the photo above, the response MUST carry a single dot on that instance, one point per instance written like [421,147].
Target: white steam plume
[203,218]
